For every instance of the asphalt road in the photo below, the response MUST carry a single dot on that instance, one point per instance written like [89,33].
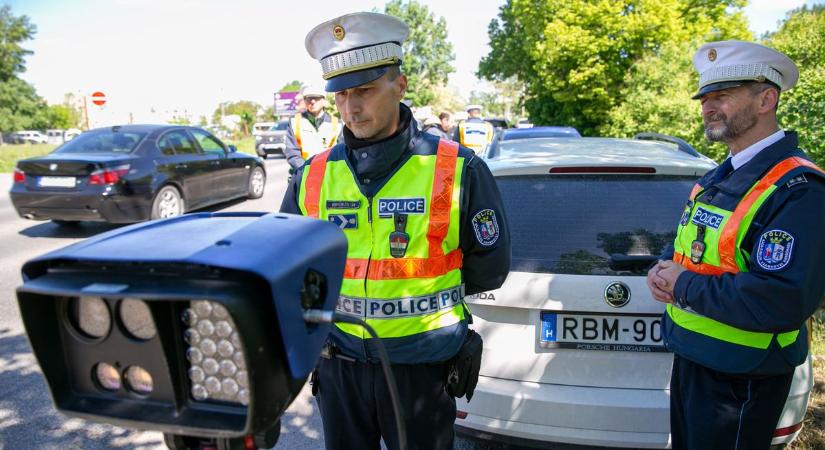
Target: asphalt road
[27,418]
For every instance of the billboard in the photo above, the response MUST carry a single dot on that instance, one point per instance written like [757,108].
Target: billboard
[286,103]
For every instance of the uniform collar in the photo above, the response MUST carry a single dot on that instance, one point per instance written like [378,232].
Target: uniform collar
[740,159]
[375,160]
[740,180]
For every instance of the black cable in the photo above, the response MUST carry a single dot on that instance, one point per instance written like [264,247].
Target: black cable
[318,316]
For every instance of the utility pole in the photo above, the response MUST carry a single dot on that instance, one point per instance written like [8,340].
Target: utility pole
[85,114]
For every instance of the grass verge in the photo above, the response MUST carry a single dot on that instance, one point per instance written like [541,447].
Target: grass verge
[10,154]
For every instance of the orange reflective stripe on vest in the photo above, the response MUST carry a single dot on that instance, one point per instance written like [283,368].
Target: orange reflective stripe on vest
[442,195]
[313,184]
[727,240]
[403,268]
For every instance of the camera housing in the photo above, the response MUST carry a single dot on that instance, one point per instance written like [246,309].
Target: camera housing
[190,326]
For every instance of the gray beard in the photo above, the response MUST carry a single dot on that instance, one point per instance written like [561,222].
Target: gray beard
[733,127]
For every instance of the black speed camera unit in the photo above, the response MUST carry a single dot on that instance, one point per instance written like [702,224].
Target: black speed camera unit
[192,326]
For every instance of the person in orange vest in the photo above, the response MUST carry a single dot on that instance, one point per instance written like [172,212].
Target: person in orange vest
[745,271]
[425,225]
[311,131]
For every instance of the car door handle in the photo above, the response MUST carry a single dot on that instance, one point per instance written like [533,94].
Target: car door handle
[182,165]
[215,163]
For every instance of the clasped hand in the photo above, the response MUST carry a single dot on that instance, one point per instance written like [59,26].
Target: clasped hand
[661,279]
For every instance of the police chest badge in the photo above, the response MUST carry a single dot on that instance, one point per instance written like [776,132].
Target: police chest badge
[485,226]
[399,239]
[774,250]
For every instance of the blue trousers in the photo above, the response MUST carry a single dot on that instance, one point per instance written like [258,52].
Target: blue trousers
[711,410]
[357,412]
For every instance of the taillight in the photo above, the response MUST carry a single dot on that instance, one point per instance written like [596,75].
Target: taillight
[19,176]
[108,176]
[787,430]
[459,414]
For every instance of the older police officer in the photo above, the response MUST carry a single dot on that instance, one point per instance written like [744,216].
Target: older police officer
[425,225]
[745,272]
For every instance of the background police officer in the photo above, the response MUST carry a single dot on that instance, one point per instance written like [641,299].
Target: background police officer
[423,217]
[475,132]
[746,266]
[312,130]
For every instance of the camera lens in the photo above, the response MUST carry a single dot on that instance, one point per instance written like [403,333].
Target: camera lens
[107,376]
[139,380]
[137,318]
[90,315]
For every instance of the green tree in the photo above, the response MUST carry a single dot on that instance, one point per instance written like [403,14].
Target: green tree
[180,120]
[657,97]
[14,30]
[20,106]
[292,86]
[247,110]
[60,116]
[574,57]
[428,55]
[802,37]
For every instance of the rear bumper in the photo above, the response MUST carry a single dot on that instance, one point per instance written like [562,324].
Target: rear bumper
[530,413]
[536,415]
[113,208]
[271,148]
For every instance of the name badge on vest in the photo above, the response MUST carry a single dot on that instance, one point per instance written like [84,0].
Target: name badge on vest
[399,240]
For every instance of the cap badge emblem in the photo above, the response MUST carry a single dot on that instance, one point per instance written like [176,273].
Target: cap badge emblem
[712,54]
[338,32]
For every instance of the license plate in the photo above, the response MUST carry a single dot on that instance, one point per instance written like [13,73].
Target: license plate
[606,332]
[64,182]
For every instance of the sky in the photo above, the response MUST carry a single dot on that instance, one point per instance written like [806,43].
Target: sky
[157,58]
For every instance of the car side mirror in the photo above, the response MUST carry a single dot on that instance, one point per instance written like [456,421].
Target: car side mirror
[232,148]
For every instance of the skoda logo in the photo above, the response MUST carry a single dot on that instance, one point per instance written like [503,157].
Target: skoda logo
[617,294]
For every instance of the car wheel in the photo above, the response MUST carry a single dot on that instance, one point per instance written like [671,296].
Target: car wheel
[65,223]
[167,203]
[257,183]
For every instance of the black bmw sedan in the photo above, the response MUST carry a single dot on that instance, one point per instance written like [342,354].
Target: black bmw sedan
[132,173]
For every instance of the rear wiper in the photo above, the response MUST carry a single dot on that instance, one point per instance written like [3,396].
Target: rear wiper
[634,263]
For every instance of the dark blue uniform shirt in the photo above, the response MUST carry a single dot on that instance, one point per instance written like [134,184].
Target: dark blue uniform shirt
[485,267]
[766,299]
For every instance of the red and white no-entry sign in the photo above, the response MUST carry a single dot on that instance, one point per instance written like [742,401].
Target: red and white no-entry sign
[99,98]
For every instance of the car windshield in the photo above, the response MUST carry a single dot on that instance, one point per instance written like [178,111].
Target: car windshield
[103,141]
[572,224]
[280,126]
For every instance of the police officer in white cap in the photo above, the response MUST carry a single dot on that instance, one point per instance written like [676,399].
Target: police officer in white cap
[745,272]
[475,132]
[310,131]
[425,225]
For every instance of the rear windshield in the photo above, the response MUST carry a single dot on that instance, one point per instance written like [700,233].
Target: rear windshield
[572,224]
[280,126]
[103,141]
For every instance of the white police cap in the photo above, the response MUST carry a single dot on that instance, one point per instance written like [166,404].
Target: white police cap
[356,48]
[472,107]
[727,64]
[313,90]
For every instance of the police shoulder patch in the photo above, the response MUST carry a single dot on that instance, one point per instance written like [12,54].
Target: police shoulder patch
[774,250]
[485,226]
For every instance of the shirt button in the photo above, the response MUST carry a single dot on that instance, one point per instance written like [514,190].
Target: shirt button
[364,155]
[366,181]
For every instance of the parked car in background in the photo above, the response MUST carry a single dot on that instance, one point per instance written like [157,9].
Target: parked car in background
[539,132]
[29,137]
[498,123]
[259,128]
[523,123]
[573,350]
[132,173]
[273,140]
